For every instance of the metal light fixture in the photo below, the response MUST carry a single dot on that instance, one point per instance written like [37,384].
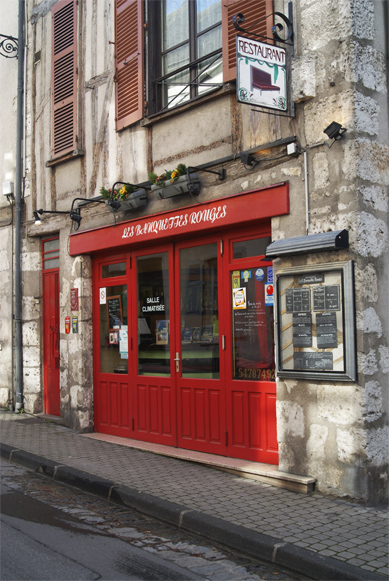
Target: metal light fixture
[36,213]
[335,131]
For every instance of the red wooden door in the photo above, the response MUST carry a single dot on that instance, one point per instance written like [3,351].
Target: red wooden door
[113,407]
[198,357]
[50,300]
[251,386]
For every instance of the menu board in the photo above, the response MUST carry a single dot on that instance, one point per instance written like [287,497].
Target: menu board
[114,308]
[313,321]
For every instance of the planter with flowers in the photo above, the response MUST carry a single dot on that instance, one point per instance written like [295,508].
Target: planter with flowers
[128,196]
[174,183]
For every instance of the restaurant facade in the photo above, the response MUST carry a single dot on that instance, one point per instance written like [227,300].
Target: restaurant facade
[205,231]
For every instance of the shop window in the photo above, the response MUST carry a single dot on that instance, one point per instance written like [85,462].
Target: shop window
[191,50]
[249,248]
[112,270]
[199,312]
[64,77]
[153,315]
[114,331]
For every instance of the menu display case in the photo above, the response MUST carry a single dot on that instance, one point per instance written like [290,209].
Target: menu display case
[316,322]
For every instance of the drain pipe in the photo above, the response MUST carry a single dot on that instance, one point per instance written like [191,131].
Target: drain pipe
[18,215]
[306,192]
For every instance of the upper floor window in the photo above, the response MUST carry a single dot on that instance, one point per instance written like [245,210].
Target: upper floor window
[191,49]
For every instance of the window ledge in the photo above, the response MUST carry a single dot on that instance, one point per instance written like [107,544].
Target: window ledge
[66,157]
[226,89]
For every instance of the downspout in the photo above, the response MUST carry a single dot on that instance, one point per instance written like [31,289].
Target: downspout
[18,215]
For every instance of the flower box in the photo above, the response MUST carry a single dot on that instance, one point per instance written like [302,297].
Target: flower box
[135,200]
[178,187]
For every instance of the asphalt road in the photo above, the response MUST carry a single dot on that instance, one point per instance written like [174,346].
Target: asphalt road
[52,531]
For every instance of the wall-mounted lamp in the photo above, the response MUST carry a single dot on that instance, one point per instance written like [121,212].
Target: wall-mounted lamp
[75,214]
[38,221]
[248,159]
[8,191]
[335,131]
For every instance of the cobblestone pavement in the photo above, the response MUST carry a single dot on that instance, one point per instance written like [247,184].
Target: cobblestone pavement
[351,533]
[209,561]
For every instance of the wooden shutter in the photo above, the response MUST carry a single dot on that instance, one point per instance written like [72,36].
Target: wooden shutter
[129,62]
[64,77]
[253,11]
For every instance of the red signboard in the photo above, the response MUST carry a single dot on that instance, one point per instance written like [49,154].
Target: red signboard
[74,299]
[239,209]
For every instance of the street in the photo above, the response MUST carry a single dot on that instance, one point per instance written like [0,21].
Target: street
[52,531]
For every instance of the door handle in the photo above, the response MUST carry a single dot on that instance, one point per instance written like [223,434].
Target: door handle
[177,360]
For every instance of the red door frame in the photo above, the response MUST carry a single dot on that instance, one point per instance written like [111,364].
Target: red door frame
[50,332]
[112,392]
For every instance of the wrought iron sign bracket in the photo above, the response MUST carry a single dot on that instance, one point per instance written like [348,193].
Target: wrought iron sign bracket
[8,46]
[286,26]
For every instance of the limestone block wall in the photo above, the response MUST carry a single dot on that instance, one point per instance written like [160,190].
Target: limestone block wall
[339,432]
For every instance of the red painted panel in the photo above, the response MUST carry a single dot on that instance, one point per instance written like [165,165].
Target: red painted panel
[200,414]
[114,400]
[214,419]
[102,404]
[124,406]
[141,407]
[238,422]
[166,404]
[271,424]
[185,413]
[154,409]
[254,410]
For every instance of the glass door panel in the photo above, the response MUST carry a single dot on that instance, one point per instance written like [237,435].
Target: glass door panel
[114,331]
[153,314]
[199,312]
[252,326]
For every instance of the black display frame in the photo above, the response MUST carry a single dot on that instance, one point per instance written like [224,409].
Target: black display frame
[314,361]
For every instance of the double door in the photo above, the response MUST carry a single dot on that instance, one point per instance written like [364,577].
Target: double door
[177,360]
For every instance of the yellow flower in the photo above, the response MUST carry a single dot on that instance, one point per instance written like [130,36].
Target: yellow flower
[122,191]
[175,174]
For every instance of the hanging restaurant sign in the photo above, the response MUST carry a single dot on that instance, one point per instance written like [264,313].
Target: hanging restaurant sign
[261,74]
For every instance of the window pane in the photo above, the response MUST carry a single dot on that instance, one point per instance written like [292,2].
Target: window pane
[209,12]
[176,86]
[153,315]
[211,72]
[252,326]
[209,41]
[110,270]
[51,245]
[199,312]
[175,23]
[247,248]
[51,263]
[114,331]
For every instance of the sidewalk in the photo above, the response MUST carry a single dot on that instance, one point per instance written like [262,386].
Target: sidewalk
[311,534]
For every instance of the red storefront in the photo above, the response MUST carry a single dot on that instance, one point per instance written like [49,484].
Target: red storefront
[183,330]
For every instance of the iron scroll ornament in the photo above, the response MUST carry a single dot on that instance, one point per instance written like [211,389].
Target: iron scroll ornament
[8,46]
[286,27]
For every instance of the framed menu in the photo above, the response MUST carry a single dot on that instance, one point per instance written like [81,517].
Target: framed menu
[315,322]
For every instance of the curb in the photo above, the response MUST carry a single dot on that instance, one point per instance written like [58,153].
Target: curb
[236,537]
